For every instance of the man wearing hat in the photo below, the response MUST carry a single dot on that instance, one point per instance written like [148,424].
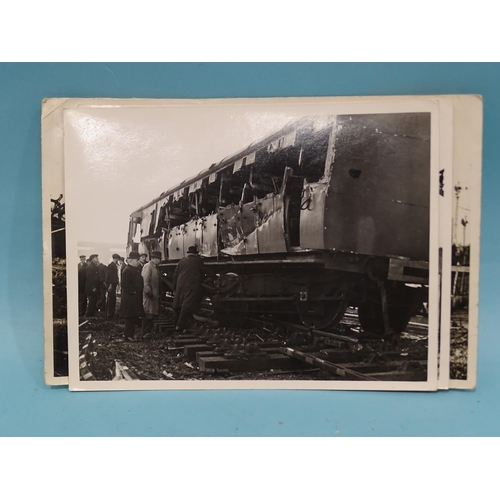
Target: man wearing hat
[111,284]
[151,293]
[92,284]
[131,309]
[188,276]
[82,261]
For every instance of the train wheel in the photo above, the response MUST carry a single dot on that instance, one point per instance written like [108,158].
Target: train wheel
[320,313]
[232,317]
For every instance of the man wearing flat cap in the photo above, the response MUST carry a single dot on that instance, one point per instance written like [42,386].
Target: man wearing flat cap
[188,277]
[92,284]
[131,309]
[151,293]
[111,284]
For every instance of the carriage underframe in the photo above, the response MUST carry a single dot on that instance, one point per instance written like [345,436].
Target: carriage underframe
[316,287]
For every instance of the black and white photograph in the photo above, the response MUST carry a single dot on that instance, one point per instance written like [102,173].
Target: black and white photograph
[466,210]
[252,244]
[54,244]
[60,326]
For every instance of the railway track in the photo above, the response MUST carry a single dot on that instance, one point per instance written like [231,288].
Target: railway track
[265,349]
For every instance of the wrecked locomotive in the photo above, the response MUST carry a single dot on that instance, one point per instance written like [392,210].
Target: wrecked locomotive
[327,212]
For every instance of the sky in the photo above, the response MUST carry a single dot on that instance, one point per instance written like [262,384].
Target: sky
[120,159]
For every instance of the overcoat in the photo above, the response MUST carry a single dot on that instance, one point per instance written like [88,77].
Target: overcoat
[82,278]
[112,274]
[132,288]
[102,273]
[188,277]
[151,294]
[92,280]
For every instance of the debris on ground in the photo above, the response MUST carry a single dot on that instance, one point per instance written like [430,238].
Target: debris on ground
[261,347]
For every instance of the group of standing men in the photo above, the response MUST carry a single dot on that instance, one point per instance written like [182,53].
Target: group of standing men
[97,285]
[140,299]
[140,289]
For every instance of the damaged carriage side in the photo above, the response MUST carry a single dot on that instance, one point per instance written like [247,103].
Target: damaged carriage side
[328,212]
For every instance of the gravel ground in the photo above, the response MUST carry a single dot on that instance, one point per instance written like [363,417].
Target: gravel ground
[459,344]
[157,359]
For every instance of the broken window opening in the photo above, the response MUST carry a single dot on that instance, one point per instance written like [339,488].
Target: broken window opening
[232,186]
[178,212]
[312,154]
[152,225]
[162,219]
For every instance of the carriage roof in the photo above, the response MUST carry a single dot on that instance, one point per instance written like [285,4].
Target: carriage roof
[230,160]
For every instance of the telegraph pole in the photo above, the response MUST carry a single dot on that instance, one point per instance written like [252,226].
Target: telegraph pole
[458,188]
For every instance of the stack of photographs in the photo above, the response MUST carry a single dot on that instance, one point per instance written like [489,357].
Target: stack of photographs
[295,243]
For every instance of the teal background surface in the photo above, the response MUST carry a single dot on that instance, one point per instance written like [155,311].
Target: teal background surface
[29,408]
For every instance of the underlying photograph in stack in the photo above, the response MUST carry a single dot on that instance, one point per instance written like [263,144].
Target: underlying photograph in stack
[460,285]
[466,214]
[295,254]
[60,324]
[54,244]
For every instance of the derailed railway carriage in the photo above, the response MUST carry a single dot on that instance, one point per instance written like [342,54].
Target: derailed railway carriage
[328,212]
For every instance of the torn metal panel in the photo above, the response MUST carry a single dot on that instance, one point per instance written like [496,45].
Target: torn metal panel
[198,235]
[238,248]
[247,219]
[255,228]
[190,230]
[176,243]
[209,247]
[228,231]
[234,231]
[271,230]
[330,154]
[252,243]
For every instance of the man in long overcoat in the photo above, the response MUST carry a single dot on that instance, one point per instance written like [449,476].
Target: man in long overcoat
[92,284]
[188,276]
[131,309]
[111,284]
[101,301]
[151,294]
